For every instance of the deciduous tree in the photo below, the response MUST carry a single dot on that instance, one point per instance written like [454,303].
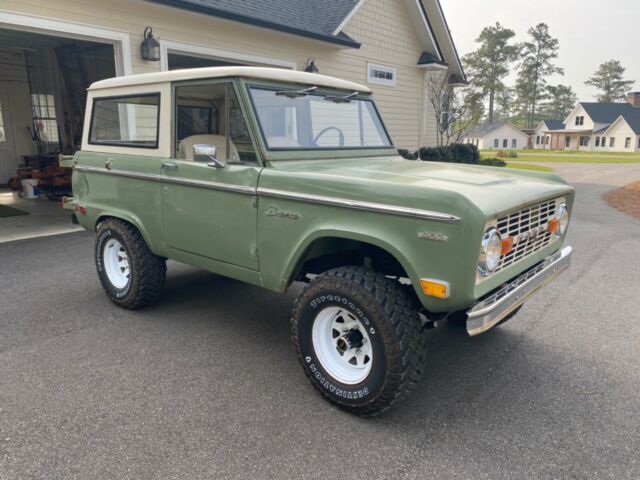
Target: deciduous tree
[561,99]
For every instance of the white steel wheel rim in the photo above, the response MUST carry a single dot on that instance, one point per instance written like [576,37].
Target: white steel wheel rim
[342,345]
[116,264]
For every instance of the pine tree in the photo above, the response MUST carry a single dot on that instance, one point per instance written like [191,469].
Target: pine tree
[537,65]
[609,79]
[489,64]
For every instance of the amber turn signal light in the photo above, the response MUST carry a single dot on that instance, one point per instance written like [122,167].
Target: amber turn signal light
[434,288]
[507,245]
[554,224]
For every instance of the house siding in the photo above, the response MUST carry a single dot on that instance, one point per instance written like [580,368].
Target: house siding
[382,26]
[619,130]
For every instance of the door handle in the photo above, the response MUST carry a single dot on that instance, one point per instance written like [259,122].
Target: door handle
[169,166]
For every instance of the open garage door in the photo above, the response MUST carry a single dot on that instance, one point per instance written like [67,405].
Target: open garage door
[43,84]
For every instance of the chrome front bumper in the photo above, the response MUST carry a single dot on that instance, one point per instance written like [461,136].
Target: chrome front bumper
[488,312]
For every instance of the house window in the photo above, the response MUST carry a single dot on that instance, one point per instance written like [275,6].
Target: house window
[567,142]
[44,118]
[627,142]
[638,142]
[514,143]
[580,120]
[604,142]
[128,121]
[380,75]
[546,140]
[496,143]
[584,141]
[597,141]
[505,143]
[612,142]
[538,140]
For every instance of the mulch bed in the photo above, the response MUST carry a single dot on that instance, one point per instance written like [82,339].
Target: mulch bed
[625,199]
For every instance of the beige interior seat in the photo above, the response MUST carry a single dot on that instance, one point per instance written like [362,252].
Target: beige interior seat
[282,142]
[185,151]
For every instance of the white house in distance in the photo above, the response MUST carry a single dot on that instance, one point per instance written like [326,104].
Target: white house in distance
[594,127]
[499,136]
[541,139]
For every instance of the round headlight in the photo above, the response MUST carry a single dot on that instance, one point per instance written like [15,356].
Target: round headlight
[490,252]
[562,214]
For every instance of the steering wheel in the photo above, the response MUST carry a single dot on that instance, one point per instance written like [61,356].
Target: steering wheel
[325,130]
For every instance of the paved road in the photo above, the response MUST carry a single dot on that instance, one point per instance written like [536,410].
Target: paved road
[206,385]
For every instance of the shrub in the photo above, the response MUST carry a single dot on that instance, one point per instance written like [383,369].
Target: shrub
[507,154]
[404,153]
[455,153]
[493,162]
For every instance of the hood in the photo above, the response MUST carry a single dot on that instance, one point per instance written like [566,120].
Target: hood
[416,184]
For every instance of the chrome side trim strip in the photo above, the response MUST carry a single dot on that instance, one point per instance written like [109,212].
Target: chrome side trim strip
[356,204]
[211,185]
[179,181]
[267,192]
[118,173]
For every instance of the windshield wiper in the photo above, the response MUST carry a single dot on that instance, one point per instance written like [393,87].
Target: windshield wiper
[341,99]
[296,93]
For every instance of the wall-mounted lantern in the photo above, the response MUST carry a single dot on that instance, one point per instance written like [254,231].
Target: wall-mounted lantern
[149,48]
[311,66]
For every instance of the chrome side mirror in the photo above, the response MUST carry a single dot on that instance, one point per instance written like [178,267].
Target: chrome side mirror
[207,153]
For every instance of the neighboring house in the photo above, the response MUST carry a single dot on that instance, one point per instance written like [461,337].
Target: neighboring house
[498,136]
[51,51]
[597,127]
[541,139]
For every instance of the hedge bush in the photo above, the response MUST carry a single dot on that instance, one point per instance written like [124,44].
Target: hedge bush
[455,153]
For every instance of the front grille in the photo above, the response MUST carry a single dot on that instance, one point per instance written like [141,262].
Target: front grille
[519,225]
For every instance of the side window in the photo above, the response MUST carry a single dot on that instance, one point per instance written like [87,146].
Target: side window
[127,121]
[495,143]
[211,114]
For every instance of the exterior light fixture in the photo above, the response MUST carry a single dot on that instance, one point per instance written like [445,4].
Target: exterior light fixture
[311,66]
[149,48]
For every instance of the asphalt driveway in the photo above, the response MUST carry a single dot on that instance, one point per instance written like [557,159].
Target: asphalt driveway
[206,385]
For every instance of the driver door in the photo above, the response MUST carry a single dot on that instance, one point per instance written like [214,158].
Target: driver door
[210,211]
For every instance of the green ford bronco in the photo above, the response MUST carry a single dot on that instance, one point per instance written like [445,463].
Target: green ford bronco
[272,177]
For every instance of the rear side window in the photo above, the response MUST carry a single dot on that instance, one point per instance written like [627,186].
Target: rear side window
[128,121]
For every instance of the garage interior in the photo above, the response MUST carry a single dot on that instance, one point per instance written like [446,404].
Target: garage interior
[43,83]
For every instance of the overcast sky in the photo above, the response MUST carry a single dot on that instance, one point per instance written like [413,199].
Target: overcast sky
[589,32]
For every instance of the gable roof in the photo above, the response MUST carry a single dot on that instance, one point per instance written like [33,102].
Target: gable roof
[608,112]
[632,120]
[321,20]
[487,128]
[554,124]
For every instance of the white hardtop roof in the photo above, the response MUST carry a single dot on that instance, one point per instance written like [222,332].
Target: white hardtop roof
[262,73]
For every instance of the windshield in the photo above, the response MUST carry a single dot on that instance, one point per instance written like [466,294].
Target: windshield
[305,120]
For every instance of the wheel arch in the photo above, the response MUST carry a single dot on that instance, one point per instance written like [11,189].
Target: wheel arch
[325,249]
[128,218]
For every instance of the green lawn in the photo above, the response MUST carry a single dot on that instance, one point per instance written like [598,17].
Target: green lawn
[537,168]
[586,157]
[492,153]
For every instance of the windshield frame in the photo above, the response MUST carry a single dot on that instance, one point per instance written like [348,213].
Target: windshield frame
[320,92]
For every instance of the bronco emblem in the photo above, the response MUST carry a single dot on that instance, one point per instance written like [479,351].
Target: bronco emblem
[274,212]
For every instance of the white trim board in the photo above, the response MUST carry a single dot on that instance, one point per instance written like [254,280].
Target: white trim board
[120,40]
[202,51]
[348,18]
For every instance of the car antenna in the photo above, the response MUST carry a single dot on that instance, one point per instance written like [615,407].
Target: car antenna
[296,93]
[341,99]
